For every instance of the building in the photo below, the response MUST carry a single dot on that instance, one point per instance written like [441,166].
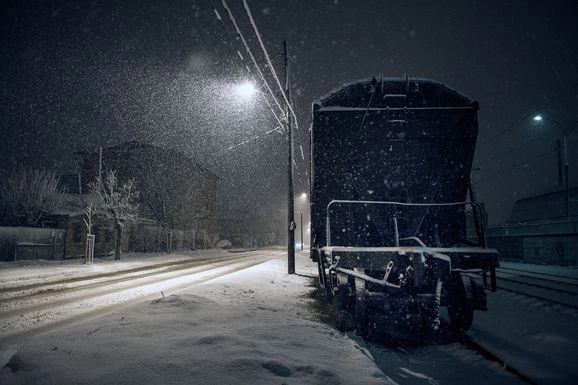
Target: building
[541,229]
[176,192]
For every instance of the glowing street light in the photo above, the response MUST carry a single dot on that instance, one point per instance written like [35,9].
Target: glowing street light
[246,90]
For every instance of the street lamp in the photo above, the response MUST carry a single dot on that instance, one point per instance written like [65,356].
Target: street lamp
[564,157]
[246,90]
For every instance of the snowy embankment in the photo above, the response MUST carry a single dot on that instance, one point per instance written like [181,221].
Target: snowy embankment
[249,327]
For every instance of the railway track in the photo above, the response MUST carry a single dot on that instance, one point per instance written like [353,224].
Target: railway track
[556,289]
[28,309]
[550,289]
[557,292]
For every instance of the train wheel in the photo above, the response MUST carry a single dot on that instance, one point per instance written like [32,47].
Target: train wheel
[324,280]
[460,302]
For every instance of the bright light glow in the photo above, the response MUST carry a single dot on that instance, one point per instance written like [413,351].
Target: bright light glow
[246,90]
[303,196]
[538,118]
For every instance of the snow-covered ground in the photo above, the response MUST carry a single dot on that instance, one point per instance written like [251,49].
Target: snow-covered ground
[250,327]
[258,326]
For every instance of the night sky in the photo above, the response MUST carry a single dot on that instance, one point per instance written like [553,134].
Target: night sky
[78,75]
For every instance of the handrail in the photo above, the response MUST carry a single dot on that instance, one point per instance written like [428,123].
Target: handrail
[336,201]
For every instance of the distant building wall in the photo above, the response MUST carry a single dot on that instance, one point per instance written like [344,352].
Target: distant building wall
[542,229]
[543,242]
[104,241]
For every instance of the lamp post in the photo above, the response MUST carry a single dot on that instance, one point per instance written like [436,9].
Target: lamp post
[302,197]
[290,202]
[564,158]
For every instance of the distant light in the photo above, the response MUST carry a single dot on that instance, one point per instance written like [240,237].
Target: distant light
[303,196]
[538,118]
[246,90]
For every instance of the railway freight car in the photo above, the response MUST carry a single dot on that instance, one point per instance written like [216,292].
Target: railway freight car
[395,228]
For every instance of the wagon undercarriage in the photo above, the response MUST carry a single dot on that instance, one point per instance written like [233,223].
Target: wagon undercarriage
[407,286]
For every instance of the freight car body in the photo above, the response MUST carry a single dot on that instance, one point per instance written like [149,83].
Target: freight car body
[395,228]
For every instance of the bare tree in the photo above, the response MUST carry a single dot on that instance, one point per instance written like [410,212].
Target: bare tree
[89,212]
[117,201]
[26,196]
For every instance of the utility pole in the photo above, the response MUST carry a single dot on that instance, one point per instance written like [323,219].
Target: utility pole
[290,202]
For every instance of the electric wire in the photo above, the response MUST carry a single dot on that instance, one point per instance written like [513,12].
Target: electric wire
[276,77]
[512,150]
[276,129]
[231,42]
[248,49]
[522,163]
[271,68]
[264,80]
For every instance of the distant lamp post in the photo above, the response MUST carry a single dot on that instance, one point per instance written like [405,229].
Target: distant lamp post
[302,197]
[563,151]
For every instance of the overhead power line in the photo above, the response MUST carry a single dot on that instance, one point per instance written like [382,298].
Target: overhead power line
[512,150]
[515,166]
[259,70]
[257,67]
[271,68]
[242,58]
[276,129]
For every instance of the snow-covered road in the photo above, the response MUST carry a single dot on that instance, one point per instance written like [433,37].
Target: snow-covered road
[78,292]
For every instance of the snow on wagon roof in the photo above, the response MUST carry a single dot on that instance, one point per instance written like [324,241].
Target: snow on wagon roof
[392,92]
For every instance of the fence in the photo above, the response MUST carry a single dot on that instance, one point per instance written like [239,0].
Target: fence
[553,241]
[153,237]
[18,243]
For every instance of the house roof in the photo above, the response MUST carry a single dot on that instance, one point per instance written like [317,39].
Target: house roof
[71,204]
